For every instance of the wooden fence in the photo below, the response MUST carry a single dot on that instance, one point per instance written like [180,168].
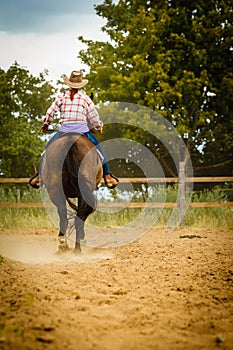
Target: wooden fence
[21,180]
[181,202]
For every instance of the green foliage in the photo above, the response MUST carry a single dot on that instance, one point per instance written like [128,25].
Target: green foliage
[24,100]
[203,217]
[148,132]
[174,57]
[214,195]
[10,193]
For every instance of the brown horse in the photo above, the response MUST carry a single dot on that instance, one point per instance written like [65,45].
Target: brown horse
[72,168]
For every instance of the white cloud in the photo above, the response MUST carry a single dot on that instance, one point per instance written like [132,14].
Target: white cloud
[56,52]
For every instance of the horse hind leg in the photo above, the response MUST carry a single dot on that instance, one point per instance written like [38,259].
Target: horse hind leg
[79,227]
[62,240]
[82,214]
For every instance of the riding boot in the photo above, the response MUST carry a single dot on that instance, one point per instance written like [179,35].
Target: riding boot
[110,180]
[35,181]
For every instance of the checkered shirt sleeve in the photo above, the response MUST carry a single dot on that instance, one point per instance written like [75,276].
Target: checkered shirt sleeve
[80,109]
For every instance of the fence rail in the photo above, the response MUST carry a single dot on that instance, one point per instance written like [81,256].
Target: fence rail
[124,205]
[140,179]
[181,205]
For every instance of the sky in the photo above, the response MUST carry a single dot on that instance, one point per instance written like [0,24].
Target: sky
[42,34]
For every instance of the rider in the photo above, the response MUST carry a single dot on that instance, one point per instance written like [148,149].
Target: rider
[77,112]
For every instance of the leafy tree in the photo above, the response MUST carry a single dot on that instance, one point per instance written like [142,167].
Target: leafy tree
[149,131]
[175,57]
[24,100]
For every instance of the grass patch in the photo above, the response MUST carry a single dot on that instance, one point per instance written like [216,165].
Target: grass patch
[203,217]
[15,218]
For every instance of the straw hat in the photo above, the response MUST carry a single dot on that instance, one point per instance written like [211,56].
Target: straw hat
[76,80]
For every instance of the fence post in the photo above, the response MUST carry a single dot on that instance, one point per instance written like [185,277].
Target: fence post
[181,194]
[18,195]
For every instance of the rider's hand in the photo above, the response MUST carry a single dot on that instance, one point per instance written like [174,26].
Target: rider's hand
[44,128]
[100,130]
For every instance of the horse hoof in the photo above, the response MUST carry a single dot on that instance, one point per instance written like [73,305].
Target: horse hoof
[62,248]
[77,251]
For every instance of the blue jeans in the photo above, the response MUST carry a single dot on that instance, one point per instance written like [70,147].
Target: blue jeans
[93,139]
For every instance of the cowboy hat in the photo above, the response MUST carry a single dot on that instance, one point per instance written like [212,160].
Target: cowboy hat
[75,81]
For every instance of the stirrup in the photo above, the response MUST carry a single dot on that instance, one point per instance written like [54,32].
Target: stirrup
[111,186]
[32,178]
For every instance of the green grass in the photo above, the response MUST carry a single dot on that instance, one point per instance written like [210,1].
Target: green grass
[210,217]
[16,218]
[202,217]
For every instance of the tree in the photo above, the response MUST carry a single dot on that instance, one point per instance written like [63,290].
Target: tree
[24,100]
[175,57]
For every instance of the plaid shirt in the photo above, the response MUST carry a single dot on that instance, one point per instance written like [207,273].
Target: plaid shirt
[81,109]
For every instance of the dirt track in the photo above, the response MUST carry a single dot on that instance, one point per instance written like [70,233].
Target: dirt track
[164,291]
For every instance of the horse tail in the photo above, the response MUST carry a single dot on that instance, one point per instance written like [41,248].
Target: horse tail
[73,171]
[72,205]
[78,181]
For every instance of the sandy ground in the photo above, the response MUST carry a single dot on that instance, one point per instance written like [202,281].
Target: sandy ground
[167,290]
